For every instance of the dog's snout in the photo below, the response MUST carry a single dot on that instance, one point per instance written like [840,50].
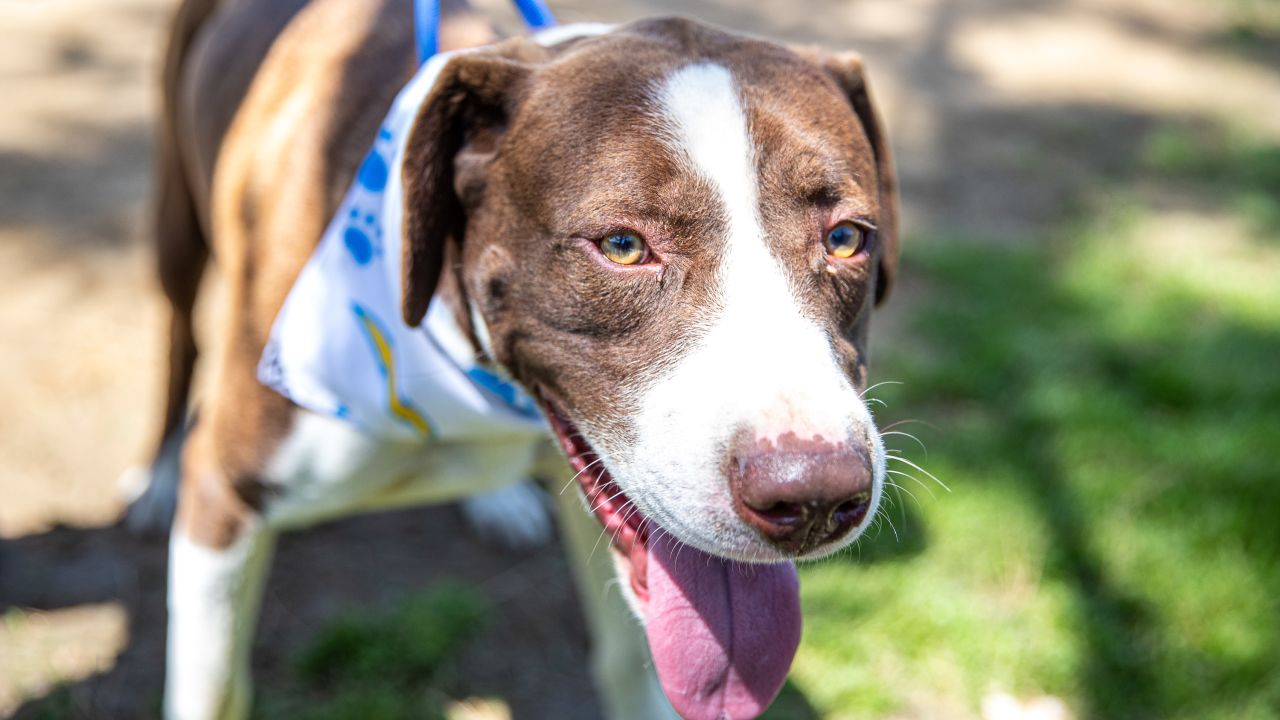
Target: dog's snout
[801,499]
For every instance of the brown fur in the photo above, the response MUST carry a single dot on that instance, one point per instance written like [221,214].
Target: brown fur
[529,154]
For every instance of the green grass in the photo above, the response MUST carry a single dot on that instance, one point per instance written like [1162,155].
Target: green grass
[382,666]
[1224,167]
[1251,24]
[1109,423]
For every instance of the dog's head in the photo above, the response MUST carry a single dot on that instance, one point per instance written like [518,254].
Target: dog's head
[674,237]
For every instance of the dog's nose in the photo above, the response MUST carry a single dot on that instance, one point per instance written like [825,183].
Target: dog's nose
[801,499]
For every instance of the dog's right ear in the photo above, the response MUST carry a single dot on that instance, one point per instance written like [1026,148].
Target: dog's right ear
[453,141]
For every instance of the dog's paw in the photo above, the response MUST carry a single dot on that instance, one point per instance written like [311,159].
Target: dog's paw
[516,516]
[152,495]
[151,491]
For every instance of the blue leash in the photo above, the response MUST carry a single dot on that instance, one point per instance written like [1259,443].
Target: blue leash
[426,22]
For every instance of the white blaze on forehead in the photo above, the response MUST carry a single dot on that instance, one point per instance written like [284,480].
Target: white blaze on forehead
[762,366]
[761,341]
[710,129]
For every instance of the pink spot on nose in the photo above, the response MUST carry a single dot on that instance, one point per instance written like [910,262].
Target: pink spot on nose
[799,494]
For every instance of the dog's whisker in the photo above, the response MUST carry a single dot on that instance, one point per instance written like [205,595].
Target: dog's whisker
[888,499]
[908,435]
[603,532]
[902,504]
[908,492]
[885,515]
[878,526]
[608,500]
[630,511]
[882,382]
[600,537]
[660,531]
[876,400]
[917,467]
[898,423]
[578,474]
[894,500]
[917,480]
[627,511]
[645,523]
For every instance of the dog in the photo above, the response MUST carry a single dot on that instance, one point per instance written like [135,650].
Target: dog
[670,236]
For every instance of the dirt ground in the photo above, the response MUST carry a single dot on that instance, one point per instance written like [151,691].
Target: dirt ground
[978,95]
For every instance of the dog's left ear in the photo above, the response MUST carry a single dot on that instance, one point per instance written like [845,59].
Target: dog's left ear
[454,139]
[846,69]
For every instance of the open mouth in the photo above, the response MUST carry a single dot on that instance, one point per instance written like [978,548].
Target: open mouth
[722,634]
[626,526]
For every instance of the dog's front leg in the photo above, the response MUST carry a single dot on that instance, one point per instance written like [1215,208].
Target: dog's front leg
[620,662]
[214,594]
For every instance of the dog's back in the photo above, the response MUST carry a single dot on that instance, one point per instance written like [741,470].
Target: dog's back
[268,106]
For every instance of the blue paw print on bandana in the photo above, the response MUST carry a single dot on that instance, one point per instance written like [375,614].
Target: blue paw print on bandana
[362,238]
[361,246]
[373,172]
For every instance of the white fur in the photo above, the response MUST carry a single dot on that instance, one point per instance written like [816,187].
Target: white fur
[213,599]
[481,329]
[332,469]
[325,468]
[515,516]
[762,364]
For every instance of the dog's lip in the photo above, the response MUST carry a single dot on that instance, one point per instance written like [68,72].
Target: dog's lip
[610,504]
[695,602]
[618,516]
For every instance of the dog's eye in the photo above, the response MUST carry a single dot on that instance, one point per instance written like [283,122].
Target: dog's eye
[845,240]
[624,248]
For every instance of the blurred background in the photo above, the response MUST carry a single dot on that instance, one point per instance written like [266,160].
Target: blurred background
[1086,336]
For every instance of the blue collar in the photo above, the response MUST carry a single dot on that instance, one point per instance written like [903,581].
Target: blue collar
[426,20]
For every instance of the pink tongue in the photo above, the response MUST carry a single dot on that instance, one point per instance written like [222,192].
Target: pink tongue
[722,634]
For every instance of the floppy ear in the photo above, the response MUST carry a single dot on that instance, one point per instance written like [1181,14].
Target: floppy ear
[846,69]
[453,141]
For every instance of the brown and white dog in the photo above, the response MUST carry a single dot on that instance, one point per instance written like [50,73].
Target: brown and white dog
[672,236]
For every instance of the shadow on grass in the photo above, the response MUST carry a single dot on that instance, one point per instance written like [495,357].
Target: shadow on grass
[345,602]
[376,666]
[1140,422]
[363,619]
[1229,170]
[791,704]
[66,567]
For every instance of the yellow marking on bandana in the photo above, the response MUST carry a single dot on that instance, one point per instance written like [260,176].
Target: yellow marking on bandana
[383,350]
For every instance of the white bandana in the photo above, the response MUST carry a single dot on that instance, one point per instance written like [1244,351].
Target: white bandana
[340,345]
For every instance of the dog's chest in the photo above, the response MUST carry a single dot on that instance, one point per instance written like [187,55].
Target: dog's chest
[326,468]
